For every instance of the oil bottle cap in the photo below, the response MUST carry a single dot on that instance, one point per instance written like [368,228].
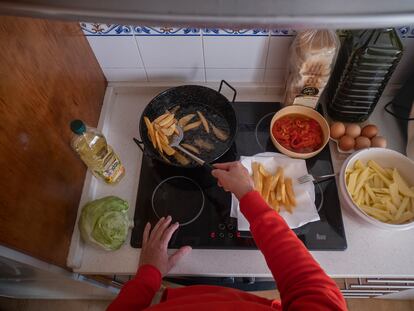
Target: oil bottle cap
[77,127]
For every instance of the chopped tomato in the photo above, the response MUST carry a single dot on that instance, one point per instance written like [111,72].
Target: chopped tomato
[298,133]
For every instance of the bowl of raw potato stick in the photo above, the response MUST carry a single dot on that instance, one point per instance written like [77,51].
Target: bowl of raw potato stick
[378,184]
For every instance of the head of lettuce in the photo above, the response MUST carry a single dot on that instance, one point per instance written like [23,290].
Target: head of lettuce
[105,222]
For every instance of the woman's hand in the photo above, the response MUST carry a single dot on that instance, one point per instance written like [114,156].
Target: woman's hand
[155,245]
[234,177]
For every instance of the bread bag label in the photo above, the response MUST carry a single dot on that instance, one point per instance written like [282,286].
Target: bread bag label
[308,97]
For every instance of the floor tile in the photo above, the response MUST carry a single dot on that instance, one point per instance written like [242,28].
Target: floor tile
[268,294]
[101,305]
[98,305]
[61,305]
[378,305]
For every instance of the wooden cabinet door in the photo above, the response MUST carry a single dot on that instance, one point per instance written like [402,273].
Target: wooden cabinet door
[48,76]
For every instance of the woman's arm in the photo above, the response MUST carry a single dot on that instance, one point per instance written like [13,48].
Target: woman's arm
[302,283]
[138,293]
[154,262]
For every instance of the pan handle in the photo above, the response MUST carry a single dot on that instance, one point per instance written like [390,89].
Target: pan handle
[208,167]
[228,85]
[139,143]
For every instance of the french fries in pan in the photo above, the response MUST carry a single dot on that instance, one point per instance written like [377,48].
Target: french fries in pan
[276,190]
[160,130]
[164,126]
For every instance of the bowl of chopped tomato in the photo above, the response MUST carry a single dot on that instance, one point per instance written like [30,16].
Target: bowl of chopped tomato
[299,131]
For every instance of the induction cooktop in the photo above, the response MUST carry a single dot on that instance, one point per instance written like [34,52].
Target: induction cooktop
[192,197]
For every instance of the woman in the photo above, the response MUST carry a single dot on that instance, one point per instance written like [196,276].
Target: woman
[302,284]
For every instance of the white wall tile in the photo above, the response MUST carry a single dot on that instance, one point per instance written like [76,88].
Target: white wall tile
[175,74]
[235,75]
[171,52]
[277,76]
[125,74]
[115,51]
[235,51]
[278,52]
[176,54]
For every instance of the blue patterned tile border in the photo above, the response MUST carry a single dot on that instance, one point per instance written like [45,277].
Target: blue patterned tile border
[282,33]
[95,29]
[235,32]
[165,31]
[406,31]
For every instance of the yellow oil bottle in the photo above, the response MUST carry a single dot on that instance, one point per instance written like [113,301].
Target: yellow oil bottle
[94,151]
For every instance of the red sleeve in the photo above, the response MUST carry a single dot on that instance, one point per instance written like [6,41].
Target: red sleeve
[302,283]
[137,294]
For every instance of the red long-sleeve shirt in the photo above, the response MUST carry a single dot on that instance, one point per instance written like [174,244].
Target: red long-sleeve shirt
[302,284]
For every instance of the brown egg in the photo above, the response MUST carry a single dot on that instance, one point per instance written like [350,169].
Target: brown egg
[346,143]
[353,130]
[362,142]
[379,141]
[337,130]
[369,131]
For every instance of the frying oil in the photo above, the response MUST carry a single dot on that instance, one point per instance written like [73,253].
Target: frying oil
[94,151]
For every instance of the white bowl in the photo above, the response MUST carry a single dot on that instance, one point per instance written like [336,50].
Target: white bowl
[385,158]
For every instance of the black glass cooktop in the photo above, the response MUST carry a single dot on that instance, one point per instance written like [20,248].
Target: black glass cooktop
[193,198]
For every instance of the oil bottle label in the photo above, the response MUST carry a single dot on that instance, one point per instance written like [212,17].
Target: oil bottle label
[113,172]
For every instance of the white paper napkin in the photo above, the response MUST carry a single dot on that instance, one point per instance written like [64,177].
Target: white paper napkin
[305,210]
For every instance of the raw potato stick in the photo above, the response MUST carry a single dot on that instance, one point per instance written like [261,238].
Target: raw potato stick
[191,148]
[204,121]
[181,158]
[184,120]
[402,186]
[203,144]
[165,159]
[220,134]
[175,109]
[191,126]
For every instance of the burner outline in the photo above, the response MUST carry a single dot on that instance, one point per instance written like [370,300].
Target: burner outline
[188,179]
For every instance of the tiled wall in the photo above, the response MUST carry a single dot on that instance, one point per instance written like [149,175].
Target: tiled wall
[128,53]
[137,53]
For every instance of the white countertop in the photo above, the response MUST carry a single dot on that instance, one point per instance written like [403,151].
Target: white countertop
[371,252]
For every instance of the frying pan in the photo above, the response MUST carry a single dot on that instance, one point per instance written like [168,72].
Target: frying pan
[191,98]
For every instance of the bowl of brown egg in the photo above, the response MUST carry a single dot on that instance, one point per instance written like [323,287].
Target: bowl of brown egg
[351,136]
